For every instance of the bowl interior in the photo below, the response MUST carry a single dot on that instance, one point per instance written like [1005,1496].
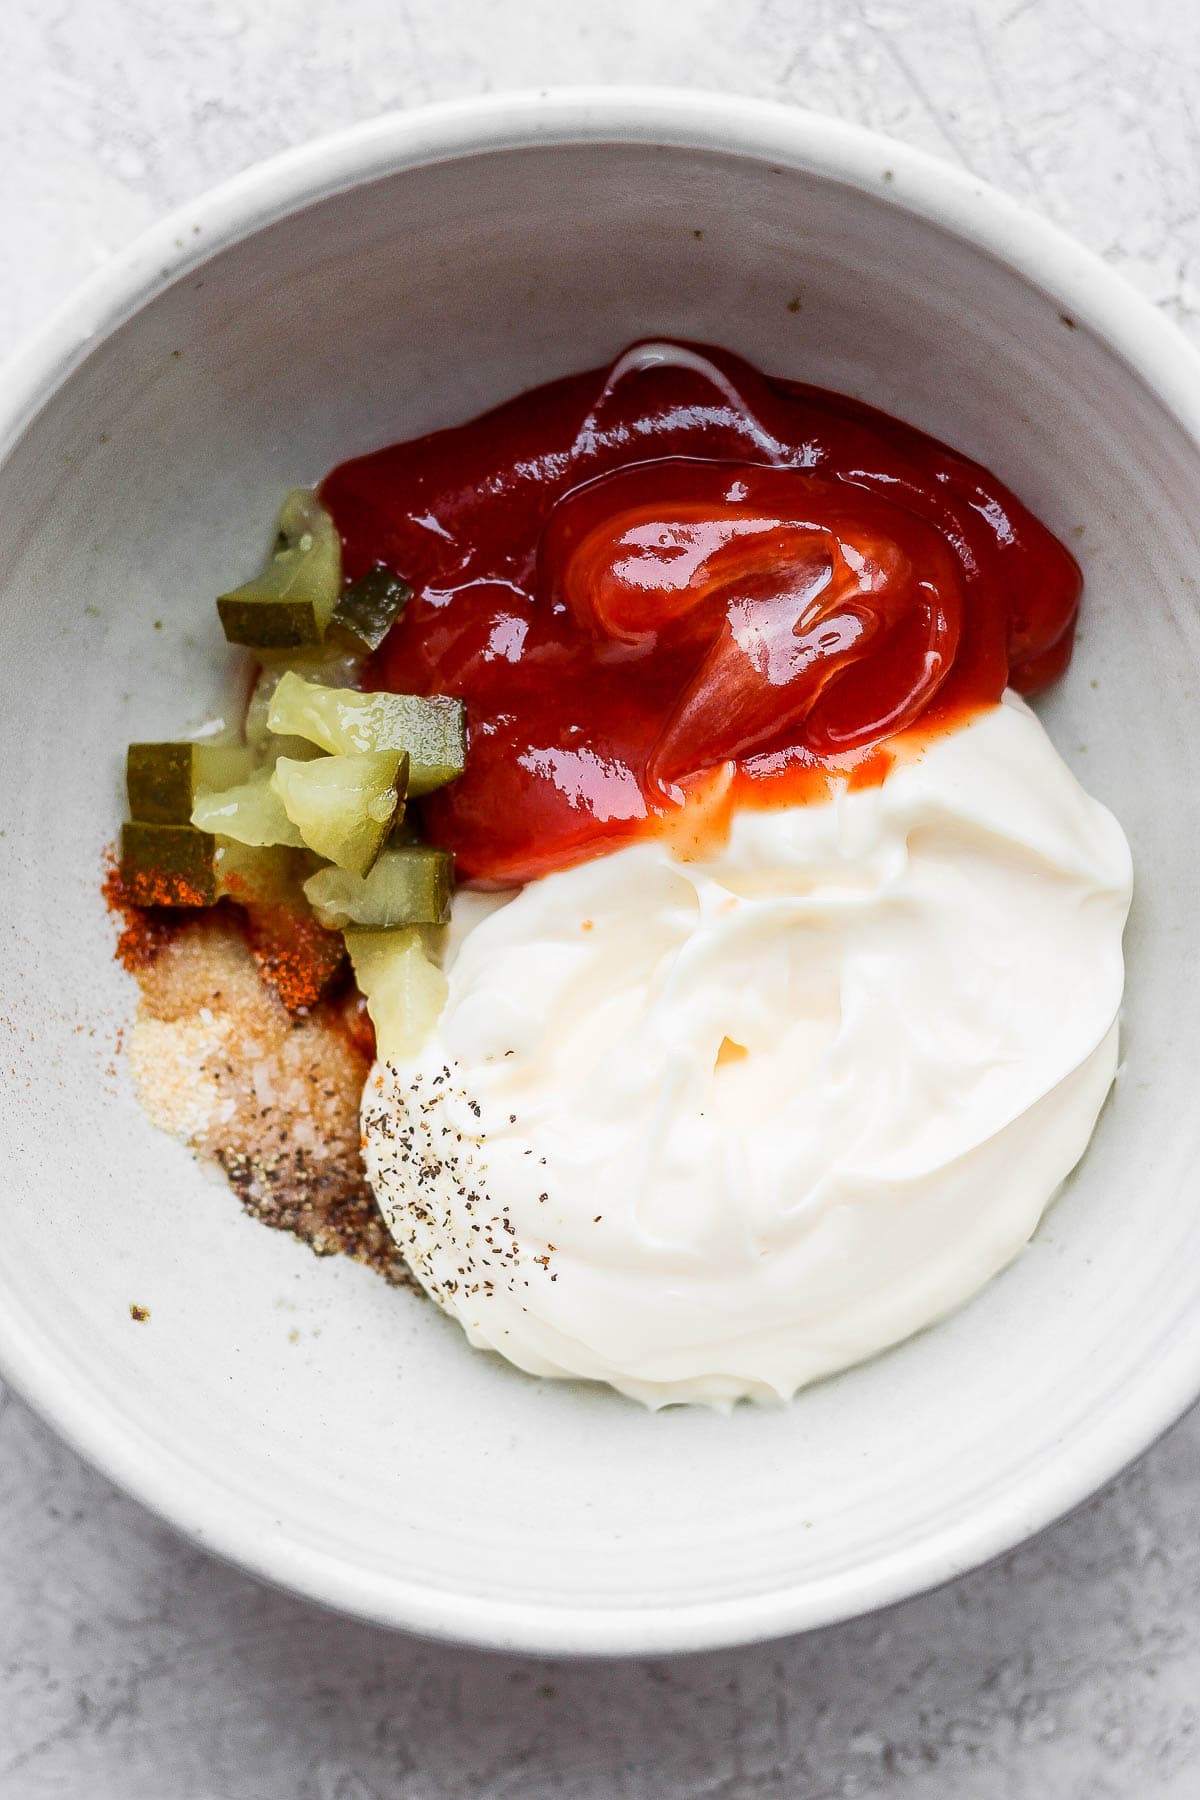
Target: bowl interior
[298,1414]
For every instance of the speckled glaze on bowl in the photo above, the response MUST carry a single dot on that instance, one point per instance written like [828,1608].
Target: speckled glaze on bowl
[297,1416]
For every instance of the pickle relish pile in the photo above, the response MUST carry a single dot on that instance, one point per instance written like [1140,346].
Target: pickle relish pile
[302,821]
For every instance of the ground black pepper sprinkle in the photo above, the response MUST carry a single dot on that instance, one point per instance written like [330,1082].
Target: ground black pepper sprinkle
[330,1208]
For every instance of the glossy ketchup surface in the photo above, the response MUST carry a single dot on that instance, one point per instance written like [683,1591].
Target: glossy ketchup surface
[674,586]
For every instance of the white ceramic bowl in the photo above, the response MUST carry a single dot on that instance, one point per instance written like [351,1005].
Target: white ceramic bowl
[297,1416]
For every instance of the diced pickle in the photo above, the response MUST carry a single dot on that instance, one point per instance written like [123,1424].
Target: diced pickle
[299,749]
[404,990]
[370,607]
[161,780]
[252,813]
[257,872]
[167,865]
[430,728]
[344,806]
[333,669]
[406,887]
[290,602]
[264,624]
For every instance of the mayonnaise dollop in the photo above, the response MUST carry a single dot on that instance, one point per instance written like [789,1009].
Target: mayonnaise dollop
[710,1130]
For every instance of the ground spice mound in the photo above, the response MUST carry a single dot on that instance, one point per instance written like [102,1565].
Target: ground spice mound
[144,930]
[269,1095]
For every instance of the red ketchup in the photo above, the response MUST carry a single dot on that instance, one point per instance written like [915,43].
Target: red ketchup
[672,587]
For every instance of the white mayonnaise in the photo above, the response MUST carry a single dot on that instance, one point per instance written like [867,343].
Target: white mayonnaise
[711,1130]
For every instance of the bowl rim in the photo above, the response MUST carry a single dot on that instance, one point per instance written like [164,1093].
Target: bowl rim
[1094,297]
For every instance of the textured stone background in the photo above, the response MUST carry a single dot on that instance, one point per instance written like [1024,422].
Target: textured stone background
[133,1668]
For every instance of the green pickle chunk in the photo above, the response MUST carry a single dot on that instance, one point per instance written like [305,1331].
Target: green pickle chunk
[431,729]
[162,780]
[288,605]
[338,669]
[344,806]
[404,990]
[260,623]
[409,886]
[322,778]
[168,865]
[250,813]
[250,873]
[370,607]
